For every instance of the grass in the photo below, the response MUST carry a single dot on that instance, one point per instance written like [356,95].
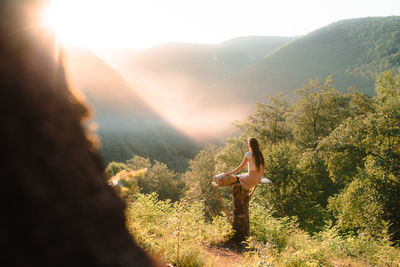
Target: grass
[178,234]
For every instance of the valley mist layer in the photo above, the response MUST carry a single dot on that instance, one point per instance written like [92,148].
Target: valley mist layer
[182,82]
[126,125]
[175,93]
[202,89]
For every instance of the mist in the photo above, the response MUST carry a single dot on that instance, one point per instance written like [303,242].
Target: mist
[190,85]
[188,105]
[124,123]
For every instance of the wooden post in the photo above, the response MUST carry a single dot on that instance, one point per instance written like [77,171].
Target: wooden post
[240,212]
[241,199]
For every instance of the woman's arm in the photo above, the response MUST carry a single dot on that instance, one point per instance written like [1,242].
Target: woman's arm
[238,168]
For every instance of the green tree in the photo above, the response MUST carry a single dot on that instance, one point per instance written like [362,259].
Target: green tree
[157,178]
[138,162]
[269,122]
[359,206]
[295,189]
[198,180]
[115,167]
[163,181]
[371,145]
[232,153]
[318,110]
[343,150]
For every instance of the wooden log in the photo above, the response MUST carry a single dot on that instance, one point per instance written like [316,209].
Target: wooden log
[241,222]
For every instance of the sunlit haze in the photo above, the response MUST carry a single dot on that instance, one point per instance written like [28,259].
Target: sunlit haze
[122,27]
[138,24]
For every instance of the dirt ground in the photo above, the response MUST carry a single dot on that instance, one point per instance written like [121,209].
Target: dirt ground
[226,254]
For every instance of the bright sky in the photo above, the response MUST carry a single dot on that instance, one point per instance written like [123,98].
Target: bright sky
[146,23]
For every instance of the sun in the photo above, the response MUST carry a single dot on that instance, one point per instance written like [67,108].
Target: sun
[73,21]
[127,23]
[101,23]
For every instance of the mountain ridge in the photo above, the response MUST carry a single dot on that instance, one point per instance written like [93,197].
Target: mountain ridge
[346,49]
[177,77]
[127,126]
[201,88]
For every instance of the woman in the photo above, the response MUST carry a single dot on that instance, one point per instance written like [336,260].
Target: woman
[255,165]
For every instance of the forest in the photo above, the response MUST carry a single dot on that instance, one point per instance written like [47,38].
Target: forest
[334,162]
[136,114]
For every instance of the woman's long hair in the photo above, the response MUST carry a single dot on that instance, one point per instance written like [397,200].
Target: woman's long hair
[255,147]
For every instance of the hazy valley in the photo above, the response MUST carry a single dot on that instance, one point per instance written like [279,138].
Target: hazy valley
[172,93]
[126,124]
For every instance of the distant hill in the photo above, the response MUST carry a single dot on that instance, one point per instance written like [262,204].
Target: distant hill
[255,46]
[115,56]
[201,88]
[208,61]
[352,51]
[127,126]
[182,81]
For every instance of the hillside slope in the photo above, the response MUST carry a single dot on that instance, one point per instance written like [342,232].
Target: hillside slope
[127,126]
[201,89]
[181,81]
[352,51]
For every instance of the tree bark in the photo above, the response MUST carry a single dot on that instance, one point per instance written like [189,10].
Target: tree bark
[240,213]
